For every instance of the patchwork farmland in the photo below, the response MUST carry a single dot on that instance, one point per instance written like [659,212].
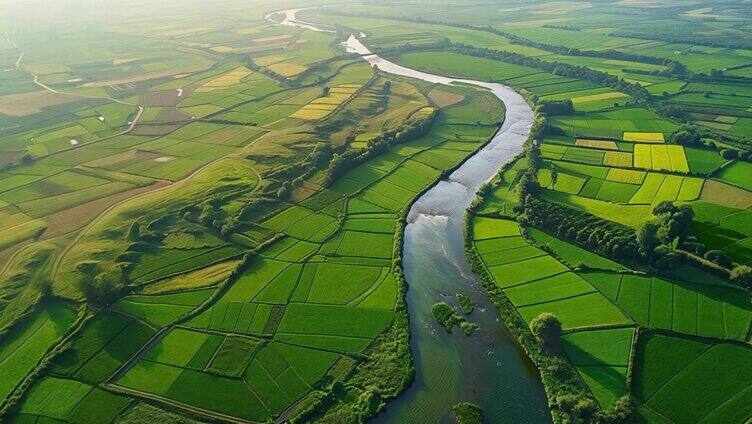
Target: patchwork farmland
[204,212]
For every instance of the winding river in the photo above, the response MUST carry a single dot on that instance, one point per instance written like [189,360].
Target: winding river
[487,368]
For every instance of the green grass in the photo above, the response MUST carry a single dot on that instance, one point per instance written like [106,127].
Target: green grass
[606,282]
[309,364]
[253,280]
[374,245]
[27,342]
[499,244]
[150,377]
[265,387]
[512,255]
[521,272]
[71,401]
[581,311]
[177,348]
[221,394]
[486,228]
[704,385]
[548,289]
[571,254]
[95,336]
[702,310]
[233,356]
[630,215]
[616,192]
[737,174]
[103,346]
[342,344]
[339,284]
[703,161]
[460,65]
[606,382]
[334,320]
[277,291]
[54,397]
[161,310]
[206,352]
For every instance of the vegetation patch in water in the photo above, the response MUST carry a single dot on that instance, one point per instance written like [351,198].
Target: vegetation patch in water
[468,413]
[448,317]
[465,303]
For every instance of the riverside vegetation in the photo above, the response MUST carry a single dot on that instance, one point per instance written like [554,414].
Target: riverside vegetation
[203,221]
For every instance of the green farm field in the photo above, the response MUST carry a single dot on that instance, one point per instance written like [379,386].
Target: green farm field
[203,211]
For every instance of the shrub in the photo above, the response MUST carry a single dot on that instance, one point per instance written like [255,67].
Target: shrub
[729,154]
[719,258]
[742,275]
[547,329]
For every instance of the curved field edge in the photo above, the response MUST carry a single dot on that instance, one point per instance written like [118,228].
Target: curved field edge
[559,377]
[394,341]
[395,337]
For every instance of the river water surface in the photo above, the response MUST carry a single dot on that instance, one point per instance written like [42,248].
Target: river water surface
[486,368]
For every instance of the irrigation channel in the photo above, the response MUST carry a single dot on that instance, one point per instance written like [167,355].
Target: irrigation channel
[488,367]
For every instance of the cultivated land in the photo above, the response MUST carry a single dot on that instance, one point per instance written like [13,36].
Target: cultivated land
[202,210]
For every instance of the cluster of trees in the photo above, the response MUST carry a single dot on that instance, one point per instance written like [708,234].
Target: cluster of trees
[738,43]
[564,27]
[104,288]
[636,91]
[607,238]
[448,318]
[740,154]
[671,111]
[719,75]
[687,135]
[673,68]
[25,159]
[660,238]
[742,275]
[554,107]
[468,413]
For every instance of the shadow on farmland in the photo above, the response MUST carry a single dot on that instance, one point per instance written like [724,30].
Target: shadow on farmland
[592,368]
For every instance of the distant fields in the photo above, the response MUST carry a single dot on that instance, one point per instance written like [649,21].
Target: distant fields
[203,204]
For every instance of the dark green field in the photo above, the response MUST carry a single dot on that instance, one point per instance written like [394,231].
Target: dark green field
[202,207]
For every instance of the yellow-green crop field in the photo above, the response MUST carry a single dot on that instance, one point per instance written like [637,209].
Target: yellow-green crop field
[205,212]
[643,137]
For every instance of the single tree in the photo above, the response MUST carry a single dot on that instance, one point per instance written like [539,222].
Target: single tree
[547,329]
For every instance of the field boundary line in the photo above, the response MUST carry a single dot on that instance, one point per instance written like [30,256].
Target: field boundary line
[663,417]
[730,398]
[123,369]
[668,380]
[171,402]
[179,183]
[559,299]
